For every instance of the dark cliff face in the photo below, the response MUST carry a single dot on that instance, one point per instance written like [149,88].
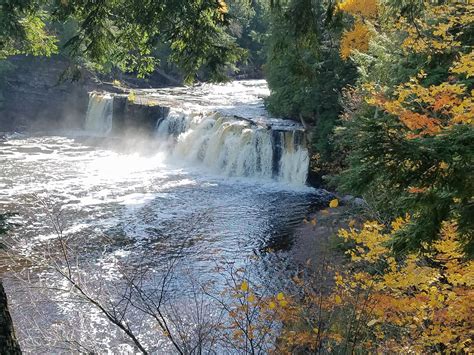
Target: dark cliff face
[34,98]
[132,118]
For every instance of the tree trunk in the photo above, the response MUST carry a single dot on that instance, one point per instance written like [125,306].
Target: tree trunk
[8,343]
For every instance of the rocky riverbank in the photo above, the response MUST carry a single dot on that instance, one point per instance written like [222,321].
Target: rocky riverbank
[315,240]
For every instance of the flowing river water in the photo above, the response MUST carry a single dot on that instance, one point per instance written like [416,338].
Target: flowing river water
[206,191]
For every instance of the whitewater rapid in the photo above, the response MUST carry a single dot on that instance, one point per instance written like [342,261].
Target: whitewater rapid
[224,128]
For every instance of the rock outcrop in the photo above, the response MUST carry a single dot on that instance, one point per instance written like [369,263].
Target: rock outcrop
[129,116]
[34,97]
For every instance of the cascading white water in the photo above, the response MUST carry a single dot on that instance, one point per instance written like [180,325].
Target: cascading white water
[294,161]
[201,126]
[235,147]
[99,117]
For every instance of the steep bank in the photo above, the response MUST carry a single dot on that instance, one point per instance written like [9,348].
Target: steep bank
[37,94]
[315,239]
[34,96]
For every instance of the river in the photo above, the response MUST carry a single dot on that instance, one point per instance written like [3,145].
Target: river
[205,190]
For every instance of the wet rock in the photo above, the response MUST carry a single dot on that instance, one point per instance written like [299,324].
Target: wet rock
[133,117]
[353,201]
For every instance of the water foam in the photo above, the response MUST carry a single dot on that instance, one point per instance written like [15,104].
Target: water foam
[235,147]
[224,128]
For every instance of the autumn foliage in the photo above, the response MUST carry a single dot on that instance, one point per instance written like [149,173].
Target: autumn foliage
[406,131]
[409,136]
[420,303]
[358,37]
[377,302]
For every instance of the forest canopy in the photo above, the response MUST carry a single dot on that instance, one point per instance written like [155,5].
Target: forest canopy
[124,33]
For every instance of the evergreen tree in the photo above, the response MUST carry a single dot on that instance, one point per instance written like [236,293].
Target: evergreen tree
[410,139]
[305,73]
[124,33]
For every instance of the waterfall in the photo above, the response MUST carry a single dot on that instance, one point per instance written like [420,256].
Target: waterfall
[229,145]
[235,147]
[293,164]
[99,113]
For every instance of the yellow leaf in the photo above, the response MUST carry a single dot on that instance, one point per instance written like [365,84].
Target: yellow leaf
[443,165]
[334,203]
[358,38]
[222,6]
[280,296]
[272,305]
[313,221]
[251,298]
[338,299]
[245,286]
